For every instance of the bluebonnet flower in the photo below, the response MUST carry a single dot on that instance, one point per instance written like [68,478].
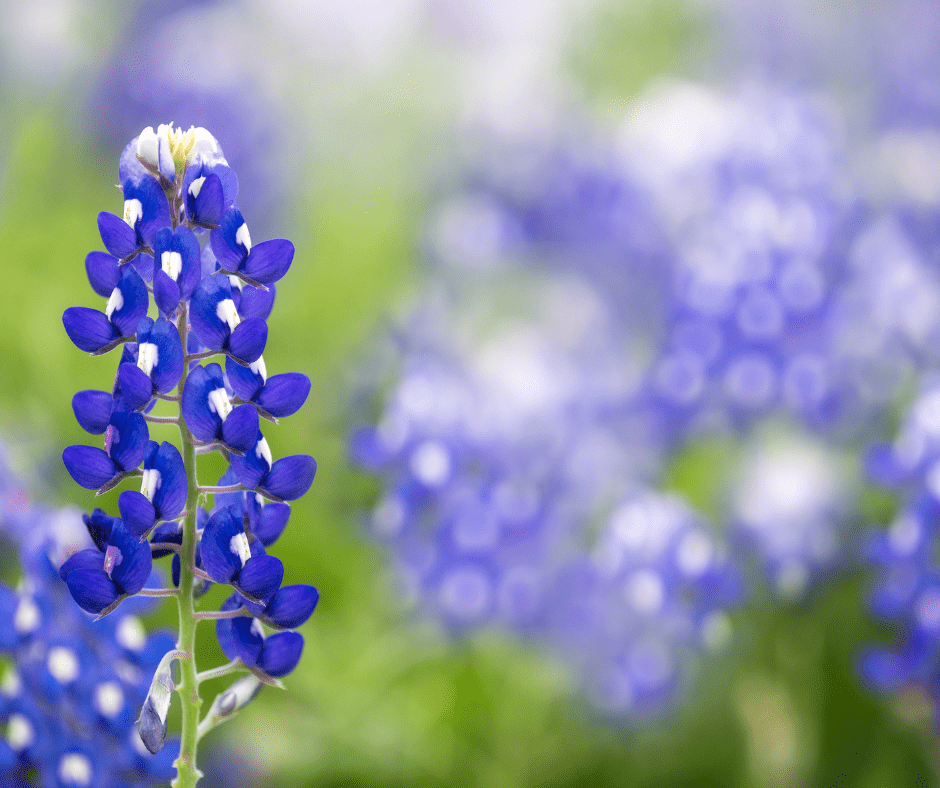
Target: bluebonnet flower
[178,189]
[72,681]
[907,591]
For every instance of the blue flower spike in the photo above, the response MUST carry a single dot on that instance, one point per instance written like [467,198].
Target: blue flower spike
[181,231]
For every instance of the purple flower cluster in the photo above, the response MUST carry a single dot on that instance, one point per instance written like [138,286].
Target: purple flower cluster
[71,690]
[907,591]
[209,299]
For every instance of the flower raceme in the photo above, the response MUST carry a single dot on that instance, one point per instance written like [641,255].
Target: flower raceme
[182,239]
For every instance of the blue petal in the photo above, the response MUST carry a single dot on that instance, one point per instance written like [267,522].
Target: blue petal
[251,468]
[92,589]
[117,235]
[91,560]
[260,577]
[166,374]
[255,302]
[143,263]
[171,533]
[131,572]
[156,209]
[290,477]
[89,329]
[245,382]
[283,395]
[99,525]
[89,466]
[223,628]
[240,428]
[135,302]
[103,272]
[136,387]
[202,421]
[270,522]
[170,497]
[269,260]
[249,644]
[291,606]
[129,436]
[137,513]
[129,166]
[207,207]
[207,326]
[217,557]
[248,339]
[228,251]
[92,410]
[166,293]
[281,653]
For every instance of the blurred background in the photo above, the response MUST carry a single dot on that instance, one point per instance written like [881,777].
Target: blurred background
[622,321]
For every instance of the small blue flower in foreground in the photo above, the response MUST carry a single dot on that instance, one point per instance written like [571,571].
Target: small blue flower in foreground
[211,299]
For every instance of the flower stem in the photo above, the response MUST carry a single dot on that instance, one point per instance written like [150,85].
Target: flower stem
[187,775]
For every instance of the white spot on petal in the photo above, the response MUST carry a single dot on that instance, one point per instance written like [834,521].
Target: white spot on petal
[109,699]
[75,769]
[239,546]
[148,356]
[644,591]
[242,236]
[172,264]
[131,634]
[219,403]
[196,186]
[62,664]
[27,617]
[430,463]
[263,451]
[12,684]
[20,732]
[694,554]
[133,211]
[151,480]
[115,302]
[227,313]
[147,145]
[259,368]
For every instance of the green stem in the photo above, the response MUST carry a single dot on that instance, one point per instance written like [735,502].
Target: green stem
[187,775]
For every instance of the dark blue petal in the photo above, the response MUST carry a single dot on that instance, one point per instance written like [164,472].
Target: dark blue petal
[244,380]
[208,205]
[156,208]
[135,300]
[166,533]
[240,428]
[269,260]
[290,477]
[170,497]
[129,437]
[203,422]
[143,263]
[216,546]
[89,329]
[247,639]
[186,243]
[99,525]
[89,466]
[281,653]
[270,522]
[166,293]
[92,410]
[229,252]
[131,572]
[291,606]
[103,272]
[136,387]
[92,589]
[117,235]
[248,339]
[211,330]
[137,513]
[283,395]
[260,577]
[84,559]
[255,302]
[251,468]
[166,374]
